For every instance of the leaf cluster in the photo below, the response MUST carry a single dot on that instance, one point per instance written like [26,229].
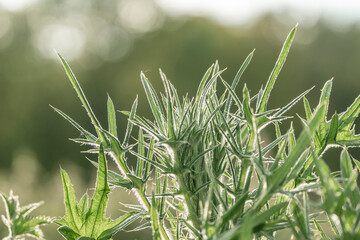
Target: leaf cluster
[203,170]
[18,220]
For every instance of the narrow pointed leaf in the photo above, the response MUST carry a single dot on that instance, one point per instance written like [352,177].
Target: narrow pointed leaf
[111,117]
[275,72]
[154,102]
[130,122]
[286,108]
[80,93]
[235,83]
[307,109]
[348,117]
[345,164]
[87,134]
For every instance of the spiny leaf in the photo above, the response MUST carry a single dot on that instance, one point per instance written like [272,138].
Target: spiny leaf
[284,109]
[111,117]
[90,223]
[235,83]
[340,130]
[275,72]
[348,117]
[247,109]
[130,122]
[116,179]
[80,94]
[264,216]
[169,110]
[18,221]
[307,108]
[232,96]
[72,218]
[324,99]
[87,134]
[275,180]
[154,102]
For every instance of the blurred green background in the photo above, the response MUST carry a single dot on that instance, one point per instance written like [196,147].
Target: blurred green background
[108,43]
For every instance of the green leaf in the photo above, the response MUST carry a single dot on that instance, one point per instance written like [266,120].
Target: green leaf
[154,102]
[130,122]
[247,109]
[286,108]
[118,225]
[88,238]
[169,110]
[83,205]
[154,163]
[275,180]
[232,96]
[233,213]
[87,134]
[307,109]
[115,144]
[346,135]
[320,229]
[324,99]
[72,218]
[18,221]
[340,130]
[333,226]
[262,217]
[90,223]
[235,83]
[197,110]
[345,164]
[140,162]
[115,178]
[357,163]
[68,233]
[275,72]
[111,117]
[80,94]
[348,117]
[334,125]
[331,188]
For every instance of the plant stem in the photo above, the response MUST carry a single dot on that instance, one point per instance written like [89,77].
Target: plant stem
[246,168]
[119,158]
[184,190]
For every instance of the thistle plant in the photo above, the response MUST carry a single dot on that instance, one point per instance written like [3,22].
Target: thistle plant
[18,221]
[203,171]
[214,178]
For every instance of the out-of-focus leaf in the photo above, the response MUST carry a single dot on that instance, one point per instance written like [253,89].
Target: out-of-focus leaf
[18,221]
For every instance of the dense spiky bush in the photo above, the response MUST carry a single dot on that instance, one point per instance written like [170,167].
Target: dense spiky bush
[203,171]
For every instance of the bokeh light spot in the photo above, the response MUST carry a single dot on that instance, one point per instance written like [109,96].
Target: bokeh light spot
[113,44]
[16,5]
[67,40]
[139,15]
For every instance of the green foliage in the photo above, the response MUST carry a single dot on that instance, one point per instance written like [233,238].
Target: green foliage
[341,198]
[203,170]
[214,178]
[88,222]
[18,221]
